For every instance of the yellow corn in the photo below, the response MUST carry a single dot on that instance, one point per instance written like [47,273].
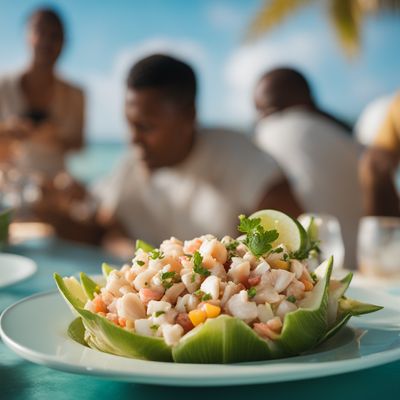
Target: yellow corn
[280,264]
[197,316]
[211,310]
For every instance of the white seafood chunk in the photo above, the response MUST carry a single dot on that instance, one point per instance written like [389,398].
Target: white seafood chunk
[239,270]
[284,308]
[174,291]
[282,279]
[186,303]
[157,306]
[143,279]
[130,307]
[240,307]
[211,286]
[143,327]
[264,312]
[172,333]
[191,280]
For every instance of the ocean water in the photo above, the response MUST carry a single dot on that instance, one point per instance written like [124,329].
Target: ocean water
[95,161]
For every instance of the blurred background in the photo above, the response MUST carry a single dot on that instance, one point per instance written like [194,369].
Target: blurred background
[348,51]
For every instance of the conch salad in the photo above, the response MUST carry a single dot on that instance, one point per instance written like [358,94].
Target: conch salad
[215,300]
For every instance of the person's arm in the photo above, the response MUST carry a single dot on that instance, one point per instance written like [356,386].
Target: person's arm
[378,167]
[75,140]
[280,197]
[377,175]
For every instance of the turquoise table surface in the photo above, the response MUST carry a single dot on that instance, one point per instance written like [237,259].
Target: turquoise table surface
[20,379]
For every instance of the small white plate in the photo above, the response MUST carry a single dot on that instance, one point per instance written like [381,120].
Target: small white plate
[14,269]
[368,341]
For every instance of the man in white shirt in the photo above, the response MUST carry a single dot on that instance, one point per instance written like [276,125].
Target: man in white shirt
[314,149]
[177,179]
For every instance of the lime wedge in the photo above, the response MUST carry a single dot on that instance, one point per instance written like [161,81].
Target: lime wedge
[291,232]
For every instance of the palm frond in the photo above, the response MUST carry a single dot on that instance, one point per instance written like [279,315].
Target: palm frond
[346,17]
[271,14]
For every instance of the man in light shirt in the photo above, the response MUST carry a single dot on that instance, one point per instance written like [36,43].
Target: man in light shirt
[314,149]
[178,179]
[379,165]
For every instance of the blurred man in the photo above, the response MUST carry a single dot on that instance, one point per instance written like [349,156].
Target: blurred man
[379,165]
[314,149]
[178,179]
[41,115]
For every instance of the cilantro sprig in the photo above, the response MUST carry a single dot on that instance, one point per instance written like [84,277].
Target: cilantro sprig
[168,279]
[258,240]
[197,262]
[155,254]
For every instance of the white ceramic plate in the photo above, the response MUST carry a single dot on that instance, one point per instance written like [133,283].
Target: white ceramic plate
[14,269]
[368,341]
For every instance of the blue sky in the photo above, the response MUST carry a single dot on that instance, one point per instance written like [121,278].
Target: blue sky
[105,37]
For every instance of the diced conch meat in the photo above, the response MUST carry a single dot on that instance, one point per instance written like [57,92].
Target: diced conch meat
[130,307]
[282,279]
[211,286]
[240,307]
[174,291]
[265,312]
[172,333]
[143,327]
[187,303]
[191,280]
[144,278]
[284,308]
[239,270]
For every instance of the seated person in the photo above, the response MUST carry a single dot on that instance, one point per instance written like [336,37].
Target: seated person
[41,115]
[379,165]
[178,179]
[314,149]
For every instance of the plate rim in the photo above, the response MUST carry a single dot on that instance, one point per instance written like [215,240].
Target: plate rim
[32,269]
[302,370]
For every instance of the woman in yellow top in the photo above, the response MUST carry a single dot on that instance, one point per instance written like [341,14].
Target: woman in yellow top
[379,164]
[41,115]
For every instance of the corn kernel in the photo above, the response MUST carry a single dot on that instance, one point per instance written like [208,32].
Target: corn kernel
[280,264]
[211,310]
[197,317]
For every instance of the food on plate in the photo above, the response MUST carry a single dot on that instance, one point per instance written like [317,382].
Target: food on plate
[210,300]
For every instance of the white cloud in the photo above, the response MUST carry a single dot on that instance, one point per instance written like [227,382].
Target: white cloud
[106,90]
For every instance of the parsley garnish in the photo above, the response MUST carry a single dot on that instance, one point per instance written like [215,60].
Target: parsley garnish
[198,268]
[258,240]
[286,257]
[154,254]
[140,263]
[154,327]
[291,298]
[167,279]
[232,245]
[277,250]
[158,313]
[193,278]
[251,292]
[246,225]
[314,276]
[199,293]
[206,297]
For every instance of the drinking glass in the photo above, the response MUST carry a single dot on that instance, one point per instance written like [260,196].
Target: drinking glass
[329,234]
[378,246]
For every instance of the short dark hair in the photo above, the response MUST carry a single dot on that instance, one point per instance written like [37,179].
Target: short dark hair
[50,14]
[288,86]
[158,71]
